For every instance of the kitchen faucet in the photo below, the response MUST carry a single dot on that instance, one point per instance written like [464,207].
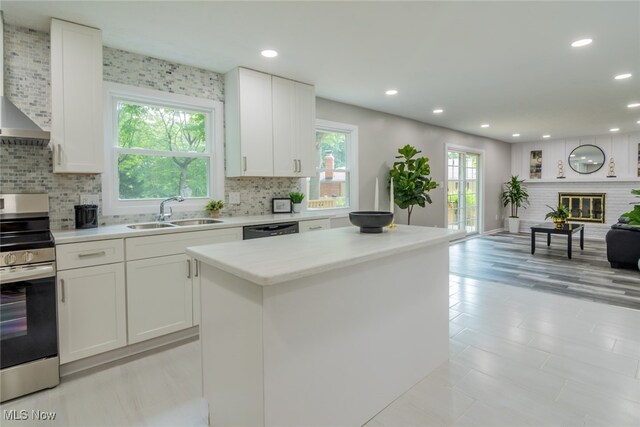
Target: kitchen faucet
[162,216]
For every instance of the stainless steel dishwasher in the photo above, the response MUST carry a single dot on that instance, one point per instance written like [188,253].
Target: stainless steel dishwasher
[269,230]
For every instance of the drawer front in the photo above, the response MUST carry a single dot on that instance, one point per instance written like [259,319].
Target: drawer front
[177,243]
[315,225]
[75,255]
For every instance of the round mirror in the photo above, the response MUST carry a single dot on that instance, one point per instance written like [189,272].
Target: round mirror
[586,159]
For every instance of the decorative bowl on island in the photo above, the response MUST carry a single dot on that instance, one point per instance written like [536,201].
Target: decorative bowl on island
[371,221]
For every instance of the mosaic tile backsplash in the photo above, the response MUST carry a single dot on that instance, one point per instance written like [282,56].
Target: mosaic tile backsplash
[27,169]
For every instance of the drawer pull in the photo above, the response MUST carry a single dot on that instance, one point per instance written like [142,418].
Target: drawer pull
[317,227]
[62,289]
[188,269]
[92,254]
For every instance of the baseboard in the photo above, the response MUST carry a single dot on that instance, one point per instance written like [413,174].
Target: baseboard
[114,357]
[494,231]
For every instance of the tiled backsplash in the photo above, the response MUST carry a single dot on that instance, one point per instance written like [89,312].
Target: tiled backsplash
[26,169]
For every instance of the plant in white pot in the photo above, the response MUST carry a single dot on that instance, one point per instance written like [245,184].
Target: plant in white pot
[514,194]
[296,200]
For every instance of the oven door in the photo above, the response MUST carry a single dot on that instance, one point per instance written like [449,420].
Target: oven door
[28,329]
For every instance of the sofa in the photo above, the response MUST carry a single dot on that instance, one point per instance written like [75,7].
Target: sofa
[623,245]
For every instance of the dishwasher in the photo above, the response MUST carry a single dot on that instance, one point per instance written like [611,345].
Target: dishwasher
[269,230]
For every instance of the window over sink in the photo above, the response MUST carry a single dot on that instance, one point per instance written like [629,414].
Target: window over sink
[158,145]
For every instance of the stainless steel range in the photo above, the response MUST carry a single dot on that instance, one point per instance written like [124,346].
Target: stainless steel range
[28,328]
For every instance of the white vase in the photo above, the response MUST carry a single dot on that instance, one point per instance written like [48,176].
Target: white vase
[514,225]
[297,207]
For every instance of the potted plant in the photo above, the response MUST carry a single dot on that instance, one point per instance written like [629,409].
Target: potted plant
[634,215]
[558,215]
[296,200]
[514,194]
[411,181]
[214,206]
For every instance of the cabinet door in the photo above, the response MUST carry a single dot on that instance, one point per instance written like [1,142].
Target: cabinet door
[76,94]
[285,155]
[91,311]
[159,296]
[305,129]
[256,131]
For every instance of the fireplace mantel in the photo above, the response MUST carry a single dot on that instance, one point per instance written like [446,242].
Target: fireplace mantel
[580,180]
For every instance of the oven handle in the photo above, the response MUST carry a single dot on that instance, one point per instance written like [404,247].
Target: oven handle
[11,275]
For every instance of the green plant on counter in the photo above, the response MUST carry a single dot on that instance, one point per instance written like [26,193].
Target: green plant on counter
[634,215]
[514,194]
[559,214]
[214,205]
[296,197]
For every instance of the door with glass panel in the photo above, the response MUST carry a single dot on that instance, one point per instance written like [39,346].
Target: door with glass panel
[463,196]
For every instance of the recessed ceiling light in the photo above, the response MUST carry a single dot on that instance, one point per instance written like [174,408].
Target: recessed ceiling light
[486,125]
[546,136]
[516,134]
[269,53]
[622,76]
[580,43]
[573,155]
[438,111]
[391,92]
[614,129]
[582,158]
[590,161]
[634,105]
[638,122]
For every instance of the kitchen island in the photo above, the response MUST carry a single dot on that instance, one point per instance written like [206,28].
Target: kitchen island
[323,328]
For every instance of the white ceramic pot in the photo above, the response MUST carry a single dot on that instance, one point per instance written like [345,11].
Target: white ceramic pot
[297,207]
[514,225]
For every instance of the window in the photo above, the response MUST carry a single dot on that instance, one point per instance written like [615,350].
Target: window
[335,184]
[159,145]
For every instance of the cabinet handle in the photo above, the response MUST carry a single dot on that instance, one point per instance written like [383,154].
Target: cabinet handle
[197,273]
[317,227]
[295,165]
[188,269]
[244,163]
[59,154]
[92,254]
[299,165]
[62,290]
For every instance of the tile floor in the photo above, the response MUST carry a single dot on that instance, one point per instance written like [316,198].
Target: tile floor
[518,357]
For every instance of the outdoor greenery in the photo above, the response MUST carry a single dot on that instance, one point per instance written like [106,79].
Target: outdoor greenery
[336,142]
[296,197]
[165,141]
[411,181]
[514,194]
[634,215]
[214,205]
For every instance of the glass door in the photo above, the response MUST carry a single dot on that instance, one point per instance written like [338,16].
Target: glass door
[463,196]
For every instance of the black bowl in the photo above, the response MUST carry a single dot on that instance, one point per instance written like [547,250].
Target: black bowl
[371,221]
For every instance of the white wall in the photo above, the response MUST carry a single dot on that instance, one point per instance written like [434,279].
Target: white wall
[380,136]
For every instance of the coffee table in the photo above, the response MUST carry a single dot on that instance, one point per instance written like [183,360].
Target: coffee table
[550,228]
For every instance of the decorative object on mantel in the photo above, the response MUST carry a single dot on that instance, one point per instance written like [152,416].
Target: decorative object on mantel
[409,181]
[214,206]
[558,215]
[535,165]
[296,199]
[371,221]
[586,159]
[514,194]
[612,168]
[560,170]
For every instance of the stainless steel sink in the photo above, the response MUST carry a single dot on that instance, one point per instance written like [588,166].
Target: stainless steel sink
[149,225]
[198,221]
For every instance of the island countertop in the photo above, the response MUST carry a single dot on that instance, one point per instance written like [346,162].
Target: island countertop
[274,260]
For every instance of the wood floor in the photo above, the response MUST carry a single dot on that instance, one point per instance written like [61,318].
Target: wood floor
[518,357]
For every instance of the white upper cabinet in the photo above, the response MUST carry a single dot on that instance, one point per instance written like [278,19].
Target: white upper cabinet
[76,95]
[270,125]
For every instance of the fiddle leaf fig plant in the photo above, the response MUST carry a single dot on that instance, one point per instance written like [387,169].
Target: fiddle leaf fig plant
[411,180]
[634,215]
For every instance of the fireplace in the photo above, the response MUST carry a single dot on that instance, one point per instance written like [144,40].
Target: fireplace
[584,207]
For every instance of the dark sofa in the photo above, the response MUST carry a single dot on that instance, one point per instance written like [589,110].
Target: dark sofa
[623,245]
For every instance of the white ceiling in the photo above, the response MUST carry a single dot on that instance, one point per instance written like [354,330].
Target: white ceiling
[508,64]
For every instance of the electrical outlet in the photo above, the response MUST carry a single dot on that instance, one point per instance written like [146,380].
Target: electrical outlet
[89,199]
[234,198]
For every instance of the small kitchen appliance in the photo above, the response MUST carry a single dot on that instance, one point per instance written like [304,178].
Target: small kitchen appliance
[86,216]
[28,331]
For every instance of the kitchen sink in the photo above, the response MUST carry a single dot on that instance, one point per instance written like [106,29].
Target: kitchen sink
[149,225]
[199,221]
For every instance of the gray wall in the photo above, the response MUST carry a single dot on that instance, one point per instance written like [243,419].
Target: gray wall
[380,135]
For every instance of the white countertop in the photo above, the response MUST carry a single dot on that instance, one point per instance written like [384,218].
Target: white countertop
[278,259]
[121,230]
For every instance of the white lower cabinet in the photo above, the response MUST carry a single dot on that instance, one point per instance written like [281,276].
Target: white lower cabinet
[91,311]
[159,296]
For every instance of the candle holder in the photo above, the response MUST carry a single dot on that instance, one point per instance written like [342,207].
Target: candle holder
[612,168]
[560,170]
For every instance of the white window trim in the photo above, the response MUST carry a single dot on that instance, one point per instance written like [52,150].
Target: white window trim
[214,110]
[352,155]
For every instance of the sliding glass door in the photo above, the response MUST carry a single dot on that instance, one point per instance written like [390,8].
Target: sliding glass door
[463,195]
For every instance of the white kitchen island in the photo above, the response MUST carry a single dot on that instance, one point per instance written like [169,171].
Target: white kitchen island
[322,328]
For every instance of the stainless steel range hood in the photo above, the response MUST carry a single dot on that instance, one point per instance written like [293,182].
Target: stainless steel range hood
[15,126]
